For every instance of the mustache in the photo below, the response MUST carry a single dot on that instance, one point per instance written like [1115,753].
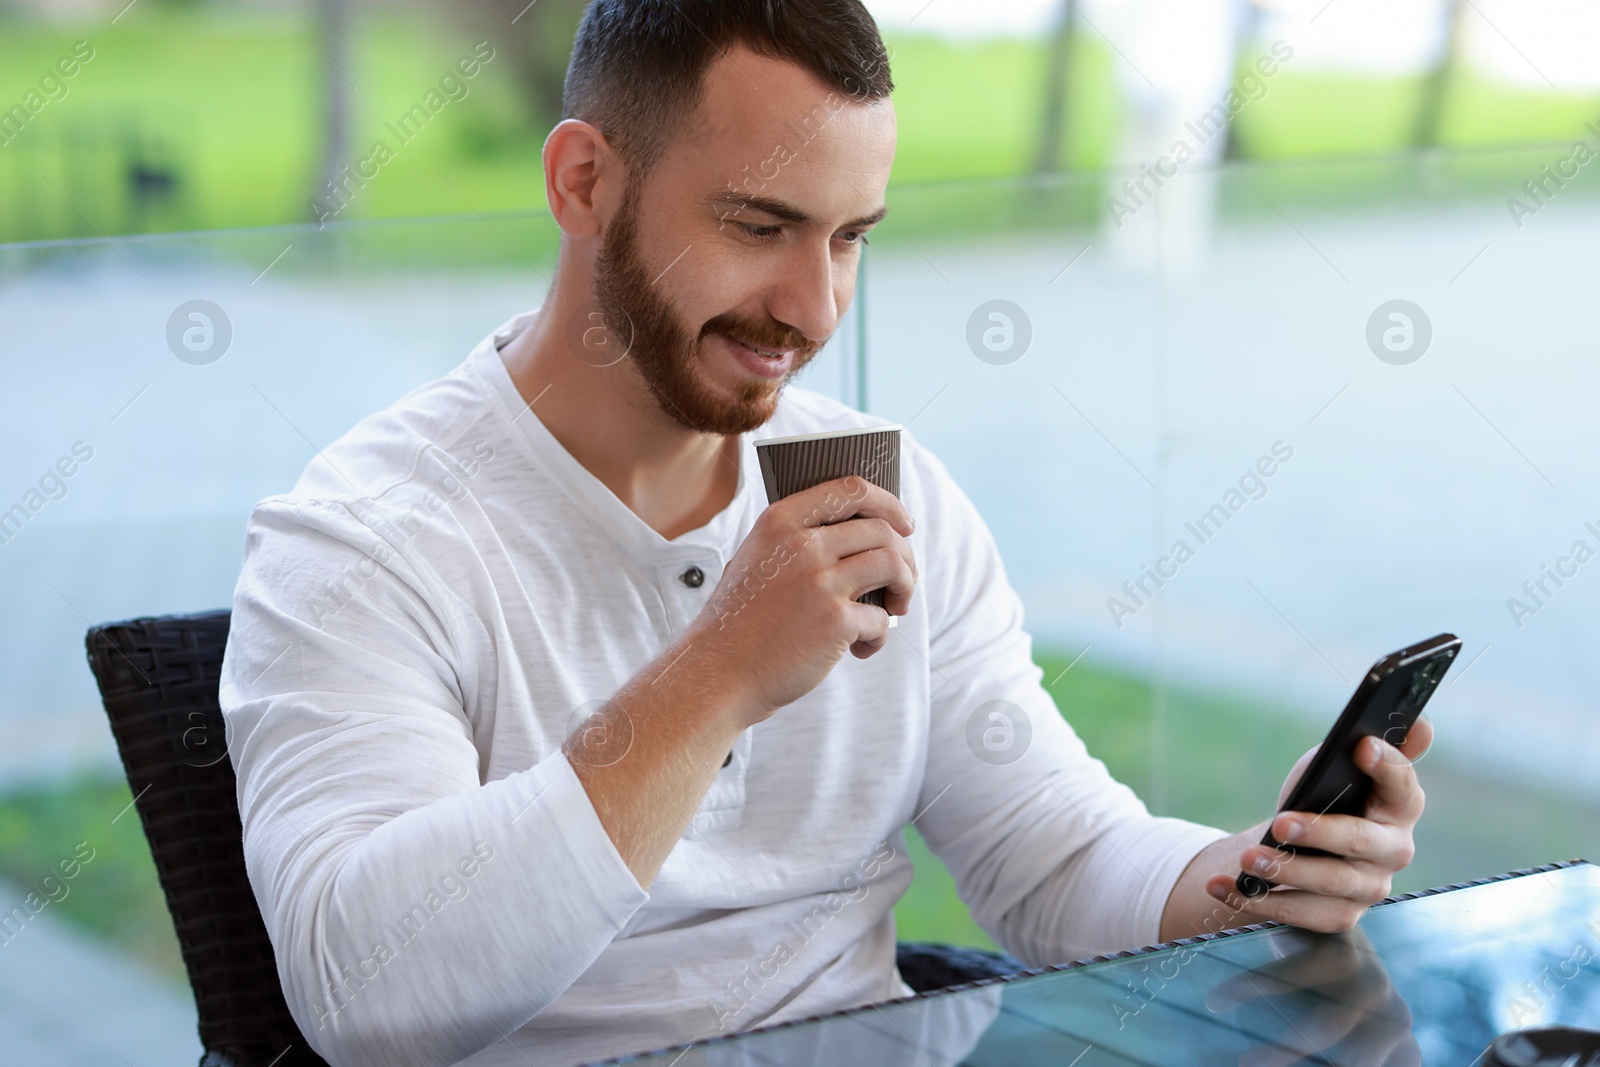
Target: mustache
[762,334]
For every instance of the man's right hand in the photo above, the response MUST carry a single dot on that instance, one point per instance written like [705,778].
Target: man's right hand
[785,610]
[775,625]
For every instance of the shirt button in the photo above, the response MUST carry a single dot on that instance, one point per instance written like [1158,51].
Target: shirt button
[694,577]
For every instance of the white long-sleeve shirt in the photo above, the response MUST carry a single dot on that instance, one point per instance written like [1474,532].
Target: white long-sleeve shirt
[447,592]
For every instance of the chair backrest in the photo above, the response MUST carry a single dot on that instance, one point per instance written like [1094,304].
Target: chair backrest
[158,680]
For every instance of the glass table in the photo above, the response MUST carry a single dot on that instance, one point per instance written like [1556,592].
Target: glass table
[1427,978]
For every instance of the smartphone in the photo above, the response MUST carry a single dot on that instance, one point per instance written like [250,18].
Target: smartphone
[1386,703]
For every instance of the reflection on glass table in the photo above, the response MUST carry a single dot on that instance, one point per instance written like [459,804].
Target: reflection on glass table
[1430,978]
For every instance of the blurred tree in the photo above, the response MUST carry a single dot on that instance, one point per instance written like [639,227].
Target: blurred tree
[1249,23]
[1053,128]
[152,179]
[336,84]
[536,39]
[1436,87]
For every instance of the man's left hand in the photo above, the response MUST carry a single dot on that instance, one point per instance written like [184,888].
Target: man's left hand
[1323,893]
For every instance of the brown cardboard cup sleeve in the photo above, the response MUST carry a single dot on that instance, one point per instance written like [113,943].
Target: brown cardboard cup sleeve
[794,464]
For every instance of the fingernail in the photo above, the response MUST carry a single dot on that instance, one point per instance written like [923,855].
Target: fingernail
[1262,865]
[1218,891]
[1292,829]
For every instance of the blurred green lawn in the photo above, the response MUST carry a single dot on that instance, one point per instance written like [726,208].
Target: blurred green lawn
[1220,760]
[232,98]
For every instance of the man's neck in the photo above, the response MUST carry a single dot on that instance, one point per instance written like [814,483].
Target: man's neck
[674,479]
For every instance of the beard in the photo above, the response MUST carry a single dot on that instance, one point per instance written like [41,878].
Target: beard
[666,352]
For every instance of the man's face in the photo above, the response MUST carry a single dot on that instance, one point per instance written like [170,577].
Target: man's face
[745,236]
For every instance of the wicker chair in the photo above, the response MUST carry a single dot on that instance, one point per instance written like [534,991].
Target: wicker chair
[158,680]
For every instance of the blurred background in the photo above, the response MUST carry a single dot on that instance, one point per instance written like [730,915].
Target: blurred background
[1141,251]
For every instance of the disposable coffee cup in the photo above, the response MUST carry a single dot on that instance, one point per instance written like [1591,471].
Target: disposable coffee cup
[792,465]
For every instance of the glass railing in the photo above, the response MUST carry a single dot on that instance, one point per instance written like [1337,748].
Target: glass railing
[172,427]
[1237,434]
[1241,432]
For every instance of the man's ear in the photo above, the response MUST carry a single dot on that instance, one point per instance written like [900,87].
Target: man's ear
[582,177]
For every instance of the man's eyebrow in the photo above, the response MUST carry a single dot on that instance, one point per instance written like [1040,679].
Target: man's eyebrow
[780,209]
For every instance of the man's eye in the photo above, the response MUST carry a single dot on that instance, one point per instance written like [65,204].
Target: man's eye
[760,233]
[855,237]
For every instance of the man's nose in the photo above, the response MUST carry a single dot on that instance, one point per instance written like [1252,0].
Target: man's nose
[805,296]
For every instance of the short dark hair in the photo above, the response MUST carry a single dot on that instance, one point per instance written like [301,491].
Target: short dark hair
[638,66]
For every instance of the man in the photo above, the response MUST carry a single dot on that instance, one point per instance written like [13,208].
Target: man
[549,745]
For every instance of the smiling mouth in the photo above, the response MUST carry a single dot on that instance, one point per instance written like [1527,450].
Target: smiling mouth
[762,352]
